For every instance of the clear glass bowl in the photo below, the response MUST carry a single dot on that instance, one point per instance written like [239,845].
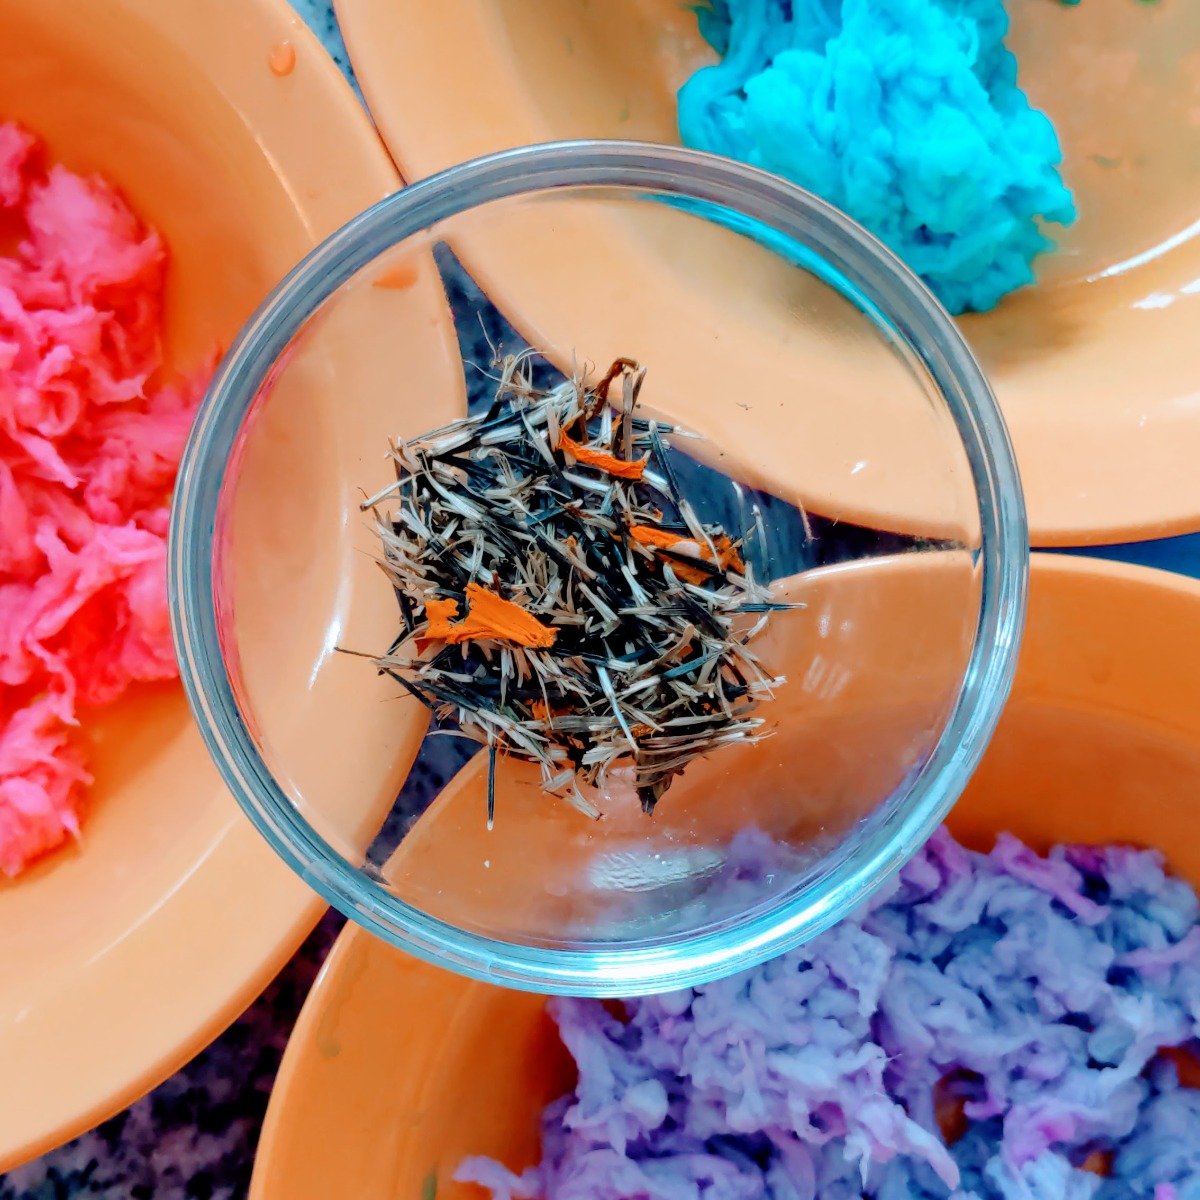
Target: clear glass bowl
[776,330]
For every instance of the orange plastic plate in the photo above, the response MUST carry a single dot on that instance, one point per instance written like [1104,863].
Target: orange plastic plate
[1095,367]
[397,1070]
[233,133]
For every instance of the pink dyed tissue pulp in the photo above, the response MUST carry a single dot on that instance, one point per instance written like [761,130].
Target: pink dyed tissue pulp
[89,445]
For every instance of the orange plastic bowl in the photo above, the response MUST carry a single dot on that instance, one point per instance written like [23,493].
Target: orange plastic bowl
[229,129]
[1094,367]
[396,1071]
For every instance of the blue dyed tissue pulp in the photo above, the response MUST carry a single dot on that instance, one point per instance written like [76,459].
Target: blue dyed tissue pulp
[905,114]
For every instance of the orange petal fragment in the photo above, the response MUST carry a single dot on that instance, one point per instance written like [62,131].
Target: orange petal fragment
[648,535]
[600,459]
[489,618]
[439,614]
[727,555]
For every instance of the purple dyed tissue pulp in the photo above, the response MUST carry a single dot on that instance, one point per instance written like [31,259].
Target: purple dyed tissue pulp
[1032,993]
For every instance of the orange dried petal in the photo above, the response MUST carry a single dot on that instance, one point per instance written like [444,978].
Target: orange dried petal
[727,555]
[489,618]
[648,535]
[619,467]
[439,614]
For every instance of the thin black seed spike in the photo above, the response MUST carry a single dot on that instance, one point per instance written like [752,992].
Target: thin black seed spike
[662,459]
[491,793]
[709,568]
[411,688]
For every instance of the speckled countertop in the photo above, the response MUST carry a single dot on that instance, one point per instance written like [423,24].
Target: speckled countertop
[193,1138]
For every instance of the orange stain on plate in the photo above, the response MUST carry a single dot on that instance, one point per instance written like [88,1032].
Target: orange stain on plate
[282,59]
[398,278]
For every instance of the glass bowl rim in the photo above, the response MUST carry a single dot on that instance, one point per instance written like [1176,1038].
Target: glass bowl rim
[875,276]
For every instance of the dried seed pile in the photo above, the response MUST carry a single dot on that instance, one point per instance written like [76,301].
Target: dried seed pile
[561,601]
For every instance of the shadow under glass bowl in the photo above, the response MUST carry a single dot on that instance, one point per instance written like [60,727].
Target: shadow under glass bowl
[902,533]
